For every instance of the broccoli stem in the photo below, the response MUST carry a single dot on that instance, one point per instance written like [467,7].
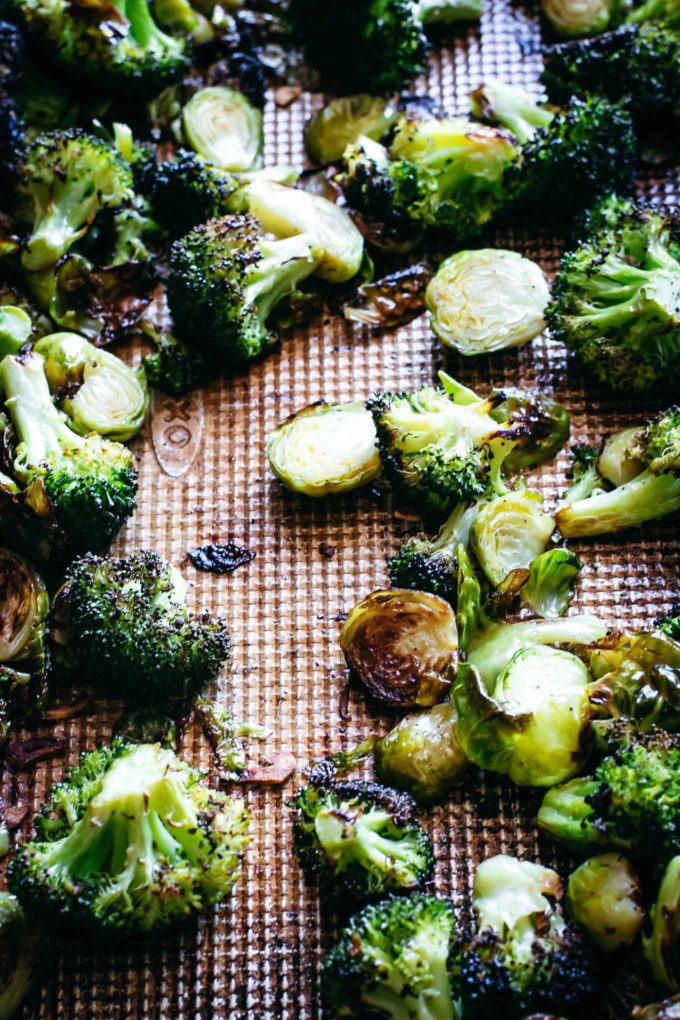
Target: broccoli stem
[366,845]
[456,529]
[68,211]
[512,108]
[145,31]
[283,265]
[447,12]
[644,498]
[567,816]
[434,1004]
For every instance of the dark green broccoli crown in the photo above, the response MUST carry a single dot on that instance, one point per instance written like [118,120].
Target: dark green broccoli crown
[392,958]
[638,63]
[363,45]
[371,190]
[12,138]
[584,459]
[421,566]
[361,840]
[125,623]
[496,977]
[616,299]
[125,50]
[658,443]
[174,368]
[588,149]
[455,207]
[670,624]
[73,154]
[12,53]
[130,841]
[186,191]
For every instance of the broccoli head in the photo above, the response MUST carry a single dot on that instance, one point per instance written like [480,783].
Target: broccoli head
[187,190]
[430,564]
[69,177]
[392,961]
[131,841]
[670,625]
[361,840]
[225,281]
[616,299]
[174,367]
[522,956]
[631,801]
[124,622]
[90,482]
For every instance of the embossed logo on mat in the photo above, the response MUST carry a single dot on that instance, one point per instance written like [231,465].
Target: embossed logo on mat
[176,431]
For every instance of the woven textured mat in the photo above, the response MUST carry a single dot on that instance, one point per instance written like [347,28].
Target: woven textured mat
[258,956]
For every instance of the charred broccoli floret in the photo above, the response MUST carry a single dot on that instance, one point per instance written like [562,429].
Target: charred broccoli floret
[391,961]
[651,487]
[124,624]
[187,190]
[430,564]
[616,298]
[225,281]
[631,801]
[174,367]
[90,482]
[361,840]
[521,956]
[132,840]
[69,177]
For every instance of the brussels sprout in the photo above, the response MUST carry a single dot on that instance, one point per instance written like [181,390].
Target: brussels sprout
[422,755]
[324,449]
[662,946]
[98,391]
[487,300]
[578,18]
[550,587]
[531,728]
[603,895]
[510,532]
[286,212]
[470,616]
[343,120]
[21,952]
[15,329]
[25,606]
[614,461]
[546,423]
[221,125]
[402,645]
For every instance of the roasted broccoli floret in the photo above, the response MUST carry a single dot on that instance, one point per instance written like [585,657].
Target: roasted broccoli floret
[670,624]
[585,478]
[521,956]
[69,177]
[225,281]
[132,840]
[117,46]
[616,299]
[91,482]
[174,367]
[391,962]
[124,624]
[187,190]
[631,801]
[652,456]
[430,564]
[361,840]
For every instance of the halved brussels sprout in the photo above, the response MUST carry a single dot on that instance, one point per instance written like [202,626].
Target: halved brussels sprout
[324,449]
[98,391]
[510,532]
[662,946]
[546,423]
[603,895]
[487,300]
[531,728]
[25,606]
[341,121]
[15,329]
[402,645]
[225,128]
[422,755]
[286,212]
[550,587]
[614,461]
[578,18]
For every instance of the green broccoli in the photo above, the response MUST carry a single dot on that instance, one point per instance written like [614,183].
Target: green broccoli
[430,564]
[361,840]
[585,478]
[124,624]
[653,490]
[616,299]
[187,190]
[173,367]
[132,840]
[391,962]
[670,624]
[90,482]
[631,801]
[225,281]
[521,956]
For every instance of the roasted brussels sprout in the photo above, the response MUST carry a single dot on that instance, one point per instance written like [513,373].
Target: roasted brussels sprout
[550,587]
[603,896]
[422,754]
[19,954]
[510,532]
[579,18]
[546,426]
[487,300]
[15,329]
[99,392]
[221,125]
[614,462]
[286,212]
[25,607]
[324,449]
[531,726]
[402,645]
[343,120]
[663,943]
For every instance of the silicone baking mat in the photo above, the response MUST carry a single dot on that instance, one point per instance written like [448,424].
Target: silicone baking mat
[258,956]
